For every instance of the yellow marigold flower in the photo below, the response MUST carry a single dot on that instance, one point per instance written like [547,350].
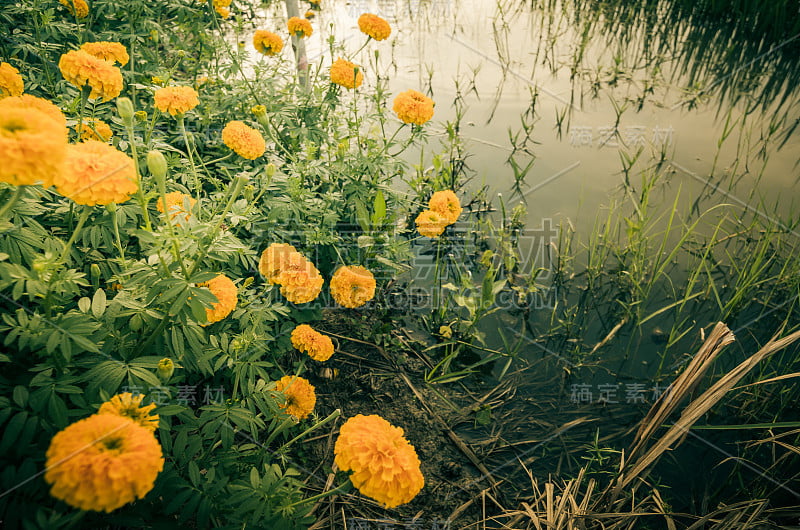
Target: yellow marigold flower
[94,129]
[384,466]
[267,42]
[27,101]
[352,286]
[310,15]
[78,8]
[97,173]
[274,259]
[176,99]
[178,205]
[244,140]
[430,223]
[108,51]
[224,12]
[446,204]
[300,280]
[413,107]
[102,463]
[299,27]
[81,68]
[130,406]
[346,74]
[156,80]
[11,83]
[32,145]
[300,395]
[306,339]
[227,296]
[374,26]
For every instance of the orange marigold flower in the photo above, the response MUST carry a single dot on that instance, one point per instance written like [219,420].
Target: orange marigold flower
[384,466]
[346,74]
[299,279]
[374,26]
[300,395]
[97,173]
[274,259]
[431,223]
[306,339]
[446,204]
[108,51]
[102,463]
[176,99]
[413,107]
[11,83]
[227,296]
[78,8]
[310,15]
[300,27]
[81,68]
[244,140]
[178,205]
[352,286]
[267,42]
[130,406]
[221,7]
[32,145]
[94,129]
[27,101]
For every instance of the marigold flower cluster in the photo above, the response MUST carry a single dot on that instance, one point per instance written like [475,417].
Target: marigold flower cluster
[352,286]
[227,297]
[11,83]
[33,143]
[318,346]
[81,68]
[130,406]
[299,27]
[299,279]
[267,42]
[94,129]
[300,396]
[244,140]
[346,74]
[178,205]
[77,8]
[413,107]
[384,466]
[97,173]
[108,51]
[103,462]
[176,99]
[221,7]
[445,208]
[374,26]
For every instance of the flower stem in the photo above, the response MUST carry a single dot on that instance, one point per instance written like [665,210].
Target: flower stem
[315,498]
[332,416]
[139,192]
[11,201]
[115,223]
[182,125]
[81,221]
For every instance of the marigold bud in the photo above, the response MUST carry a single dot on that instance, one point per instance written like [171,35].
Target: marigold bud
[165,369]
[125,109]
[157,164]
